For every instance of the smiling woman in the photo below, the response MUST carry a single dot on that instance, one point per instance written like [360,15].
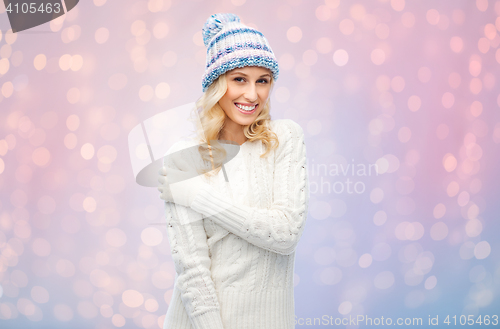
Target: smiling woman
[248,90]
[235,264]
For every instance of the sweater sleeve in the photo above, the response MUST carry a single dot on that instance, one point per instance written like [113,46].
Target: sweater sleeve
[188,243]
[279,228]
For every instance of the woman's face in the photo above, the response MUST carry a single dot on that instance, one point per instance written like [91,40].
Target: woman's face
[247,87]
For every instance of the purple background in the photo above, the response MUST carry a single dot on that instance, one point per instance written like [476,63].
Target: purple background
[410,88]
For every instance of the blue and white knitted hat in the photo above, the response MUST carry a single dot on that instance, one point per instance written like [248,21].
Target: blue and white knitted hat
[231,44]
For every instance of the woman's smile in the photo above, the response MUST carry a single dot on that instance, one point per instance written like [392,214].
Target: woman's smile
[246,109]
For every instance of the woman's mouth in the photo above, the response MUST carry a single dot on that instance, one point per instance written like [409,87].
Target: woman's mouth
[246,109]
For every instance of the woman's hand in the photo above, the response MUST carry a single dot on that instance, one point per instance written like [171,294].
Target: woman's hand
[179,186]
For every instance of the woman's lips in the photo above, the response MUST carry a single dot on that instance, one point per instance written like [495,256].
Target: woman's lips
[246,104]
[246,112]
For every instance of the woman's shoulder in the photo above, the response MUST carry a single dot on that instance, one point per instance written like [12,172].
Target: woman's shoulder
[181,149]
[184,154]
[181,145]
[290,135]
[286,128]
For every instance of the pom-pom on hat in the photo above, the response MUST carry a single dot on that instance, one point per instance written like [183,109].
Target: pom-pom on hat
[231,44]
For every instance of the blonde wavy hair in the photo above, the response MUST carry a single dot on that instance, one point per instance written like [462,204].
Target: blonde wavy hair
[212,118]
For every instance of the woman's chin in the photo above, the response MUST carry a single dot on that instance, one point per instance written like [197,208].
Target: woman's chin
[246,120]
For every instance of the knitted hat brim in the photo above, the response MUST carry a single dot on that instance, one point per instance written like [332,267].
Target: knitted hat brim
[252,57]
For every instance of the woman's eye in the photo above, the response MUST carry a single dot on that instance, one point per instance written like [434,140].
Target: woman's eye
[239,79]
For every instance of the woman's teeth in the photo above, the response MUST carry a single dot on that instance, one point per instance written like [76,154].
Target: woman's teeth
[245,108]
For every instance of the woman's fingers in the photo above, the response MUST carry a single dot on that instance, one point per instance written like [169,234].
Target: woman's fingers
[165,194]
[163,184]
[163,171]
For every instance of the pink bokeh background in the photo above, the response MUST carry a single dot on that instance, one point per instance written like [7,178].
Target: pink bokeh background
[404,92]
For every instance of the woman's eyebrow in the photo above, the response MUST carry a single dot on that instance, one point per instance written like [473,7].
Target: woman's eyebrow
[237,72]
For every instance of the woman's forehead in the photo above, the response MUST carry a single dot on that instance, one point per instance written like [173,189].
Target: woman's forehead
[250,70]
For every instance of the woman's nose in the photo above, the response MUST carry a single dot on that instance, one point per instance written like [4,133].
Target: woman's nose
[251,94]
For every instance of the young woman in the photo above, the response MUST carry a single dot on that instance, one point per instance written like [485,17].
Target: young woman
[235,267]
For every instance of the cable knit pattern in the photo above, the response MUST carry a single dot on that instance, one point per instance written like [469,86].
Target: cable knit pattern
[235,268]
[192,264]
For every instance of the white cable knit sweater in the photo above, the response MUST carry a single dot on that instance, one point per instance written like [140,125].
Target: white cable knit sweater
[235,269]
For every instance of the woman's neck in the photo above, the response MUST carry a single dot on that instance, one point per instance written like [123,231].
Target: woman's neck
[233,133]
[240,140]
